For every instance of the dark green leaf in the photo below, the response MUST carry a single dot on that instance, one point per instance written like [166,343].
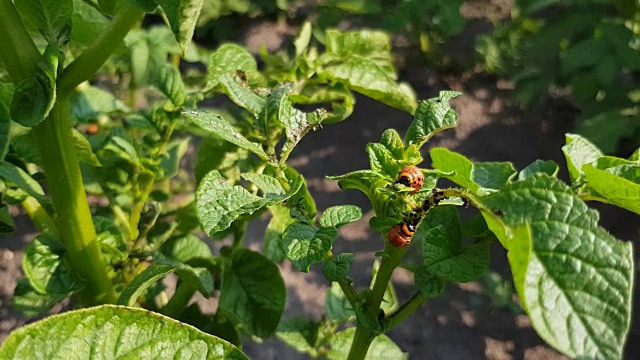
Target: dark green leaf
[5,126]
[216,125]
[53,18]
[431,117]
[428,283]
[338,268]
[280,219]
[305,245]
[116,332]
[88,23]
[7,226]
[253,293]
[221,155]
[112,243]
[554,244]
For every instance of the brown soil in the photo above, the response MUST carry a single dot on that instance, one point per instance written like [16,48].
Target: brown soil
[461,324]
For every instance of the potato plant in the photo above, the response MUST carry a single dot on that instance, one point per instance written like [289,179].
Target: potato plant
[67,124]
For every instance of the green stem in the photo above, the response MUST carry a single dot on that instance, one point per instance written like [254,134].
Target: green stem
[406,309]
[19,53]
[346,285]
[73,217]
[179,300]
[390,261]
[41,219]
[361,342]
[86,65]
[240,229]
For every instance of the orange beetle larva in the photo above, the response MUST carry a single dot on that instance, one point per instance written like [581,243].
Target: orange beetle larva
[401,234]
[411,176]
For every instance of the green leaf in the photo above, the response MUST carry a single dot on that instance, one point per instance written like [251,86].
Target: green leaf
[579,151]
[30,302]
[185,248]
[539,166]
[444,254]
[115,332]
[182,16]
[554,245]
[371,184]
[5,127]
[42,265]
[301,42]
[299,333]
[279,222]
[303,207]
[23,181]
[218,204]
[168,80]
[492,175]
[429,284]
[7,226]
[53,18]
[269,185]
[253,293]
[336,306]
[237,89]
[221,155]
[112,243]
[606,129]
[88,23]
[478,177]
[337,216]
[218,126]
[88,103]
[432,116]
[338,268]
[445,160]
[381,348]
[228,59]
[366,77]
[305,245]
[199,278]
[83,149]
[616,189]
[175,151]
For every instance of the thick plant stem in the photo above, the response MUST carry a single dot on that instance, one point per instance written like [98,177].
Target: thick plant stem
[361,342]
[41,219]
[86,65]
[179,300]
[364,336]
[73,218]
